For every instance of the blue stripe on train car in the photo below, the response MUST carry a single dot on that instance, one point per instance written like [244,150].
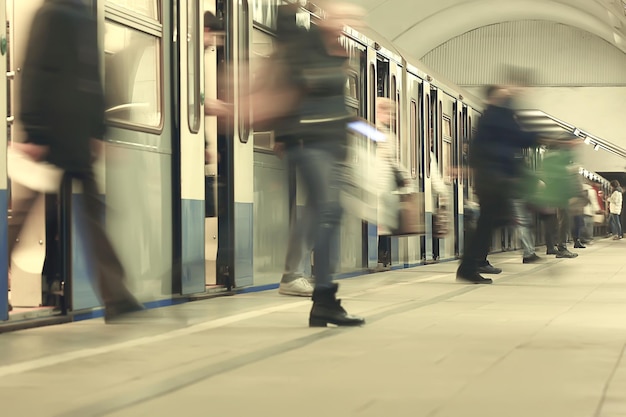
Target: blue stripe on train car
[83,294]
[244,244]
[372,245]
[193,274]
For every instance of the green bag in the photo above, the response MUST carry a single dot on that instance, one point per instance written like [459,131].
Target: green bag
[557,180]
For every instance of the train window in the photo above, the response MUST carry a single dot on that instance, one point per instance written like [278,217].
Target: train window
[382,77]
[447,127]
[440,138]
[244,70]
[352,86]
[372,79]
[265,12]
[261,50]
[392,90]
[148,8]
[470,136]
[132,76]
[429,137]
[399,125]
[413,139]
[193,65]
[447,157]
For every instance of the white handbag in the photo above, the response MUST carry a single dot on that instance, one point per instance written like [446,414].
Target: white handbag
[39,176]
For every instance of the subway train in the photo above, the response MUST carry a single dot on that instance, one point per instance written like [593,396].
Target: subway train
[198,205]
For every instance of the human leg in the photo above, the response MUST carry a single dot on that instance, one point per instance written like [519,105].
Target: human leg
[110,275]
[319,171]
[522,220]
[477,246]
[299,246]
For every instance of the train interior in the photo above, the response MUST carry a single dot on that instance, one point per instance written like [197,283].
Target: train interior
[34,275]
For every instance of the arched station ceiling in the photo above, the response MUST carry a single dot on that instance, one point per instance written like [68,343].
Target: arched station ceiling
[418,26]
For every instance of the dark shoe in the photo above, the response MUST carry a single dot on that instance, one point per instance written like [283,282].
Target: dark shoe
[531,259]
[10,307]
[564,253]
[472,278]
[578,244]
[552,251]
[322,314]
[119,311]
[327,309]
[488,269]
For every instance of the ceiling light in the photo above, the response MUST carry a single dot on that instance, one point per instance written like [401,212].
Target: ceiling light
[596,148]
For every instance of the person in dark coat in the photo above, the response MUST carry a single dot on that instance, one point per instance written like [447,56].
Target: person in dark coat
[62,110]
[496,171]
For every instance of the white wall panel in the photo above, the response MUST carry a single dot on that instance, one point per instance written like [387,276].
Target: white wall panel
[598,110]
[556,54]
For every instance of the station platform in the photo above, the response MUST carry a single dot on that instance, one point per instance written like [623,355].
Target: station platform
[546,339]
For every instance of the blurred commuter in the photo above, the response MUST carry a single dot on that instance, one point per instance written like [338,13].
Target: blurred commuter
[492,156]
[615,208]
[62,109]
[302,97]
[561,183]
[311,103]
[577,206]
[301,227]
[589,212]
[523,223]
[392,176]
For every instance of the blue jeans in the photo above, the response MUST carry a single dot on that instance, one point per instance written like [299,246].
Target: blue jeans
[300,245]
[320,173]
[522,219]
[616,225]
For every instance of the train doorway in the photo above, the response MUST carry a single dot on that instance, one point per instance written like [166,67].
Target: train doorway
[31,277]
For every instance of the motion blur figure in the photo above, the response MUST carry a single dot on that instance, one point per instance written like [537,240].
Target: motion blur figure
[319,75]
[302,97]
[498,139]
[313,127]
[62,110]
[615,209]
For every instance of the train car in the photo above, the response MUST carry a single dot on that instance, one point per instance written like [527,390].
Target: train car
[199,203]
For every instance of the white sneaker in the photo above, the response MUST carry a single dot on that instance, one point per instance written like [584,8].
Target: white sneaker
[299,287]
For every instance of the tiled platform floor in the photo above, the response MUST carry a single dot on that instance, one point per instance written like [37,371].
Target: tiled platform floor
[546,339]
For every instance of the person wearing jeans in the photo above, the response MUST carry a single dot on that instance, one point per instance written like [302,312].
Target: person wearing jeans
[522,219]
[615,208]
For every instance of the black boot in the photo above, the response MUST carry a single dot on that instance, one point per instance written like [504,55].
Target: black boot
[579,244]
[327,309]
